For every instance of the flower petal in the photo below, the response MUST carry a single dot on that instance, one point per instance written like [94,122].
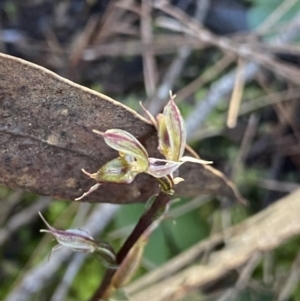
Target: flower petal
[126,144]
[119,170]
[194,160]
[150,116]
[76,239]
[175,128]
[177,180]
[159,168]
[164,145]
[107,253]
[92,189]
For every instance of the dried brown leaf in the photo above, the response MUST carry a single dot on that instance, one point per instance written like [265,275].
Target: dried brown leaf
[46,138]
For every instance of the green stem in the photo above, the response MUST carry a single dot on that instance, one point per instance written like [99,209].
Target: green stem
[144,222]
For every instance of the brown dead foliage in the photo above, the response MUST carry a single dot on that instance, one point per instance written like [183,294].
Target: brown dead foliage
[46,139]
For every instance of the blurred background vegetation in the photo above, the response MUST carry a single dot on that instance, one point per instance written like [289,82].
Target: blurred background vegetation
[137,51]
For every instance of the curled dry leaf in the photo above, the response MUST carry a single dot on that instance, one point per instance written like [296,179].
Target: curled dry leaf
[46,138]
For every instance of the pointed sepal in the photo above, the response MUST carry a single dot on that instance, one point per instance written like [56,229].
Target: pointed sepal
[80,241]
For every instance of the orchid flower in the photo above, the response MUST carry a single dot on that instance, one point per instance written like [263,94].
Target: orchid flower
[133,158]
[80,241]
[172,134]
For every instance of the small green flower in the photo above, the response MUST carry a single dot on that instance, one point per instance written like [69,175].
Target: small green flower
[80,241]
[133,158]
[132,161]
[172,134]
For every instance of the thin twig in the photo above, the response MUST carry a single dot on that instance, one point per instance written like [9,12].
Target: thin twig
[72,270]
[226,83]
[8,202]
[208,75]
[275,16]
[291,282]
[216,93]
[236,97]
[268,99]
[277,185]
[238,165]
[178,64]
[160,44]
[149,63]
[242,50]
[232,293]
[268,268]
[23,218]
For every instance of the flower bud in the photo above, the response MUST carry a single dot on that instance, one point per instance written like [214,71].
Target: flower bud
[80,241]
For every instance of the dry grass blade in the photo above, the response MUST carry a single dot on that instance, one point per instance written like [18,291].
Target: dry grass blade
[245,274]
[291,282]
[273,18]
[269,99]
[173,73]
[23,218]
[161,44]
[237,95]
[242,50]
[209,75]
[149,63]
